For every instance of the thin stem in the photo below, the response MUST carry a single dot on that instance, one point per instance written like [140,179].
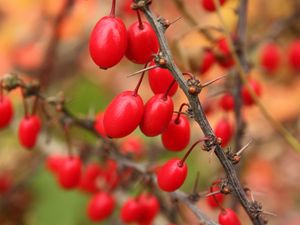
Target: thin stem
[190,75]
[35,105]
[182,161]
[140,81]
[24,103]
[169,89]
[141,25]
[113,9]
[180,112]
[215,198]
[68,140]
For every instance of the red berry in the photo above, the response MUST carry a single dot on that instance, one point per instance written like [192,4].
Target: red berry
[209,5]
[157,115]
[133,146]
[142,43]
[227,102]
[208,60]
[6,111]
[108,42]
[101,206]
[228,217]
[256,87]
[215,200]
[224,130]
[270,57]
[5,183]
[177,135]
[226,60]
[123,114]
[54,162]
[111,175]
[99,124]
[150,207]
[70,172]
[29,129]
[160,80]
[89,178]
[126,7]
[172,175]
[294,55]
[131,211]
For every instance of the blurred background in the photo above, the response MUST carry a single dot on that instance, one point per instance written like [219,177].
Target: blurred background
[47,41]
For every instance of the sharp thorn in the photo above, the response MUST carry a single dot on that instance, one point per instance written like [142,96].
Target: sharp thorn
[142,70]
[212,81]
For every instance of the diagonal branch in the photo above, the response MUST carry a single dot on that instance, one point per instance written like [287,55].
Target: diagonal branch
[200,117]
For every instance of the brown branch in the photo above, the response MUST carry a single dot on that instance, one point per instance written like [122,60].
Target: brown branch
[200,118]
[50,54]
[241,52]
[10,82]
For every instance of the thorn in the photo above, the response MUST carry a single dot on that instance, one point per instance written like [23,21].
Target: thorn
[176,20]
[143,70]
[212,81]
[269,213]
[248,190]
[244,148]
[213,193]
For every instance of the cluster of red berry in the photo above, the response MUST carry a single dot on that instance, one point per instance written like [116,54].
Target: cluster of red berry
[109,42]
[271,58]
[209,5]
[93,179]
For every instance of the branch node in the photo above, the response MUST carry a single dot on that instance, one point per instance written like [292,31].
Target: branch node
[160,60]
[194,86]
[139,4]
[210,143]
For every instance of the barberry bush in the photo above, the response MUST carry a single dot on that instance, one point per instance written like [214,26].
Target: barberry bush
[149,112]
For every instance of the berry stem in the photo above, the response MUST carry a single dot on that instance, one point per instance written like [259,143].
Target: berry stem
[140,81]
[141,25]
[190,75]
[180,112]
[68,140]
[113,9]
[35,105]
[168,90]
[24,103]
[182,161]
[215,199]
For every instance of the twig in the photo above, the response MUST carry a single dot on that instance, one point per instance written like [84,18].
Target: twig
[241,53]
[290,139]
[50,54]
[200,117]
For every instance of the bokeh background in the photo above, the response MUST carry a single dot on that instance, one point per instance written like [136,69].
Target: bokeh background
[36,45]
